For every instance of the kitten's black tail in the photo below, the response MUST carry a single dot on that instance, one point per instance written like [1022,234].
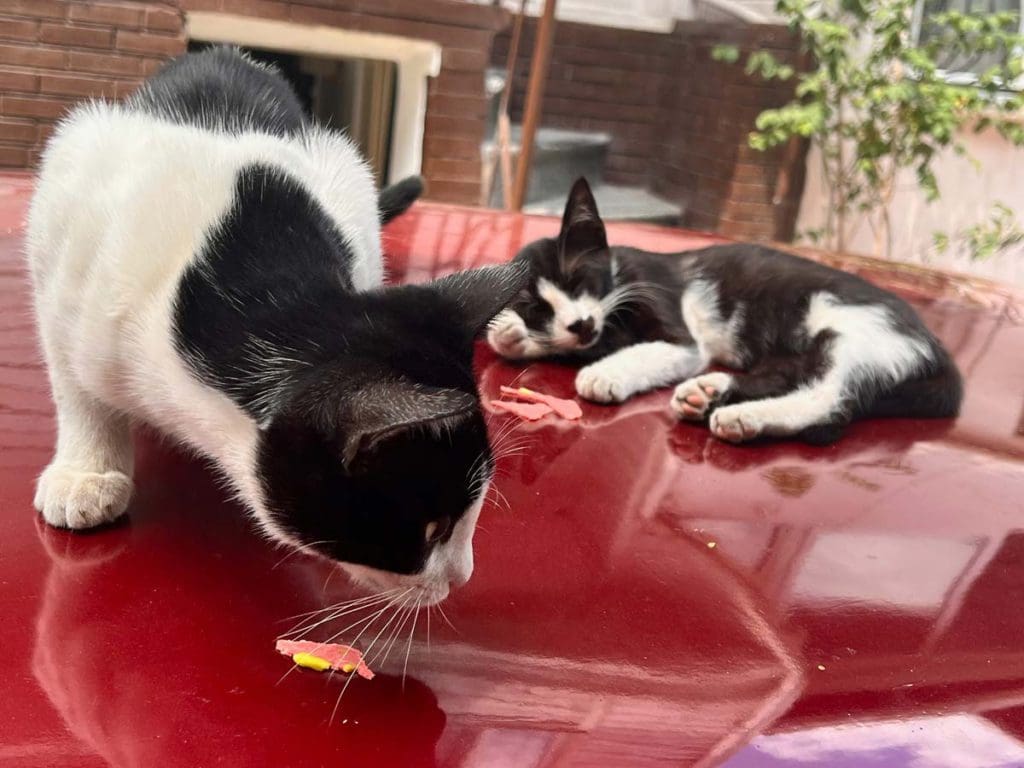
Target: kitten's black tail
[396,199]
[936,396]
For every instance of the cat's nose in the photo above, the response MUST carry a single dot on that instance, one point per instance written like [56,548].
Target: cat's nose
[583,329]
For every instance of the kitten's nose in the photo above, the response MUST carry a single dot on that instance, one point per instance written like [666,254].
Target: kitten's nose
[583,329]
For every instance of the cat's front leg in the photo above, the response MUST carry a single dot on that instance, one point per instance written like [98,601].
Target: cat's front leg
[88,483]
[636,369]
[509,337]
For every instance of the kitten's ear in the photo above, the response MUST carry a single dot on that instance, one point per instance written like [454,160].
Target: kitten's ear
[483,293]
[582,232]
[387,410]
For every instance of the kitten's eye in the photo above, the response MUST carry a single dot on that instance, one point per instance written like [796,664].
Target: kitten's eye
[436,529]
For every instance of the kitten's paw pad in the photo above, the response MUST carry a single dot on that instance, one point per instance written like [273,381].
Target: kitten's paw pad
[694,397]
[602,385]
[69,498]
[735,424]
[508,335]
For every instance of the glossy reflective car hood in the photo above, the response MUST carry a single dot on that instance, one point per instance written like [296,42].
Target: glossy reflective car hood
[647,596]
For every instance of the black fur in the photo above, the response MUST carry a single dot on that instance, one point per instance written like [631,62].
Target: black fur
[219,88]
[370,425]
[775,289]
[397,198]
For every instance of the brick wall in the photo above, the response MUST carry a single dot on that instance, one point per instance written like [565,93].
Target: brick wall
[705,162]
[679,120]
[54,52]
[600,79]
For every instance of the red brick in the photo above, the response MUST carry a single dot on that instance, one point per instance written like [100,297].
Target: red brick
[19,29]
[266,9]
[458,106]
[29,106]
[44,131]
[104,63]
[126,88]
[14,157]
[152,66]
[15,131]
[458,170]
[67,85]
[152,45]
[48,9]
[32,56]
[201,5]
[76,37]
[105,13]
[461,192]
[454,149]
[19,82]
[164,19]
[456,59]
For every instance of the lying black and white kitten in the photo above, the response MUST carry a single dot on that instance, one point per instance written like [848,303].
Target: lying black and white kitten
[207,262]
[817,347]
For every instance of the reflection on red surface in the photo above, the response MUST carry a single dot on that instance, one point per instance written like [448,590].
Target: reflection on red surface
[861,604]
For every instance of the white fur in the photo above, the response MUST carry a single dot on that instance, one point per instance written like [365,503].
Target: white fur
[568,310]
[509,337]
[866,346]
[635,369]
[716,337]
[123,204]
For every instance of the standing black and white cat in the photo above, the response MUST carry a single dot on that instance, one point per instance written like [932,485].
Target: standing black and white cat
[813,347]
[207,262]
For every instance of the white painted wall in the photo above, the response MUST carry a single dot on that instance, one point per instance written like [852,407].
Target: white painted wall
[967,198]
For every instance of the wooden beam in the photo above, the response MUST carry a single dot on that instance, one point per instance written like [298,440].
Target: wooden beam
[534,101]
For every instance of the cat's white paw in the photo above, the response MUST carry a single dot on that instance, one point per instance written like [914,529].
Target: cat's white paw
[509,337]
[603,384]
[694,397]
[736,423]
[69,498]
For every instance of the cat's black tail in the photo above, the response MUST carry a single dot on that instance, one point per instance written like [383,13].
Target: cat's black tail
[396,199]
[936,396]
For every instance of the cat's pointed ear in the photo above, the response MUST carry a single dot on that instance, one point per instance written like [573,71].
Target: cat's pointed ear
[387,410]
[583,231]
[482,293]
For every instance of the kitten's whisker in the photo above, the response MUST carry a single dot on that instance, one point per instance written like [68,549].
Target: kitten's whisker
[342,603]
[386,648]
[306,630]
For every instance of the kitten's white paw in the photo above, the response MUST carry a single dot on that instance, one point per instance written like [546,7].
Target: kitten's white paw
[736,423]
[603,384]
[508,335]
[694,397]
[69,498]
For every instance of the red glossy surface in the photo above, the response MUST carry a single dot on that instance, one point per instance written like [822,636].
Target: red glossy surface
[863,604]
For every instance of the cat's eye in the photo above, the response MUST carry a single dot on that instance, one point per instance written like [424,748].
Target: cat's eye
[436,529]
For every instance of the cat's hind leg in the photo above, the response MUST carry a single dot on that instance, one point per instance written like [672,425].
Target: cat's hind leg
[637,368]
[858,352]
[88,483]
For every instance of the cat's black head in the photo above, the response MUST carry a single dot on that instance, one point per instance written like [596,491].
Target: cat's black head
[564,307]
[380,459]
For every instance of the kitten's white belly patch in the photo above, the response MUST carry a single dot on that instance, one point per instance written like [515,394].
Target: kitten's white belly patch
[716,337]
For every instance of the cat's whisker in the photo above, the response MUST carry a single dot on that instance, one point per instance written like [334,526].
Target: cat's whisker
[446,619]
[305,548]
[307,628]
[412,633]
[343,605]
[366,653]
